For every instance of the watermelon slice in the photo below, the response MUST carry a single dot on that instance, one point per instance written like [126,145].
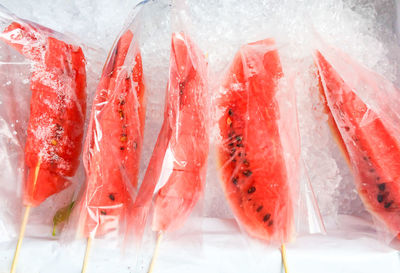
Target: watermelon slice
[57,110]
[250,154]
[114,142]
[370,146]
[182,143]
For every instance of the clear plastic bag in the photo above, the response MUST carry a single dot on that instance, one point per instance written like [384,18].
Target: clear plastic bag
[363,106]
[259,147]
[46,70]
[114,141]
[177,169]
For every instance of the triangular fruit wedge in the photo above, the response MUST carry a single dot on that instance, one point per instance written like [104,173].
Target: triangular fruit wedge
[57,109]
[183,142]
[373,151]
[250,153]
[114,141]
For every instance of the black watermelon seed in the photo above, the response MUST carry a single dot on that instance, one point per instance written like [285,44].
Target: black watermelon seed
[235,180]
[240,145]
[103,212]
[251,189]
[380,198]
[382,186]
[247,173]
[231,144]
[347,128]
[388,204]
[233,151]
[239,138]
[259,208]
[230,112]
[122,148]
[246,163]
[266,217]
[111,196]
[121,113]
[270,223]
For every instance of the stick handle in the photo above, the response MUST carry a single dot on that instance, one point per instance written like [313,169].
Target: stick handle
[87,253]
[20,239]
[155,254]
[24,222]
[284,261]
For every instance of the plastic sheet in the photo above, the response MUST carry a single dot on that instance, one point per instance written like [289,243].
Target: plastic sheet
[259,146]
[221,27]
[225,251]
[114,140]
[46,70]
[363,106]
[177,169]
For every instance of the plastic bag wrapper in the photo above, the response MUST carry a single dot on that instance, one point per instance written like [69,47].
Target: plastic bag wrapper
[114,140]
[175,177]
[258,144]
[363,106]
[41,147]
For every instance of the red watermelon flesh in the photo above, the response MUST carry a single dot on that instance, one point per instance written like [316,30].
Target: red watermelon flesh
[25,39]
[114,142]
[57,110]
[253,170]
[184,135]
[373,150]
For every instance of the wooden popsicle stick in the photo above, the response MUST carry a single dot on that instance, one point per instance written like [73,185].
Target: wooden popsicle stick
[284,261]
[20,239]
[155,254]
[87,253]
[23,224]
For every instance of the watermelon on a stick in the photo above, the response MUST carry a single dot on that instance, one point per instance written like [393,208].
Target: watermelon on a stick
[251,156]
[113,144]
[183,141]
[57,113]
[368,141]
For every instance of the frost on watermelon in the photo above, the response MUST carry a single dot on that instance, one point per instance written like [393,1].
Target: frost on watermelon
[372,147]
[182,142]
[114,141]
[250,153]
[57,109]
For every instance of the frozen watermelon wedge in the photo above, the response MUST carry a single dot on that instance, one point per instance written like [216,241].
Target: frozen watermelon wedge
[371,147]
[182,142]
[57,109]
[250,154]
[114,142]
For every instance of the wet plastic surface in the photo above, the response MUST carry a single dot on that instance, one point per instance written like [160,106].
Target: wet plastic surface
[356,29]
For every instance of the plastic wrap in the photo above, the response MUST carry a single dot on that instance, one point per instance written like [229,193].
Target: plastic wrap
[177,169]
[45,69]
[258,151]
[114,141]
[221,27]
[363,106]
